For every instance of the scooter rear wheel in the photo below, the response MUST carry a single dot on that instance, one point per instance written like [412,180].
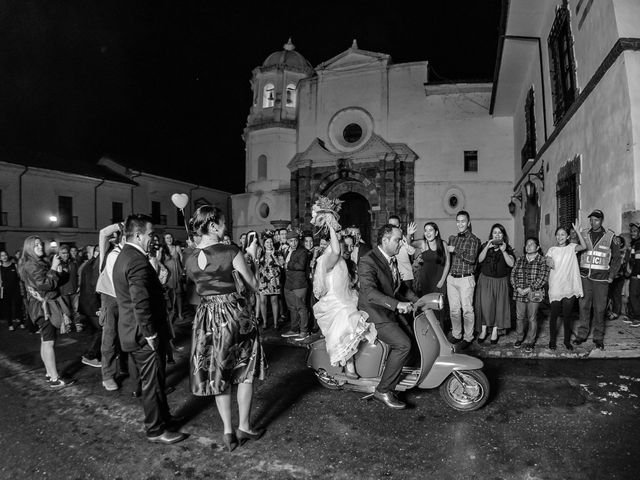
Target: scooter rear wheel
[465,390]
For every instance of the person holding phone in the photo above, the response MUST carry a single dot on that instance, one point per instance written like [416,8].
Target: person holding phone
[492,303]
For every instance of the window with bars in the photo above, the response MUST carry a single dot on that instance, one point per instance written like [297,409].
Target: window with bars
[117,212]
[567,200]
[65,212]
[155,213]
[529,149]
[562,64]
[470,160]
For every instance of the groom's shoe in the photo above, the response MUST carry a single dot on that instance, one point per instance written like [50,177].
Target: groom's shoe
[167,438]
[389,399]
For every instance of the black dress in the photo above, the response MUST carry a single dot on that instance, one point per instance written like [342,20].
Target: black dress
[226,346]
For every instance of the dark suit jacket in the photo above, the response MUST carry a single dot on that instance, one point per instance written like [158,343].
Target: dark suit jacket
[363,249]
[141,306]
[377,296]
[297,269]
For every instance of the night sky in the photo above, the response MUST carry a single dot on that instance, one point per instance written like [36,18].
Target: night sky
[164,85]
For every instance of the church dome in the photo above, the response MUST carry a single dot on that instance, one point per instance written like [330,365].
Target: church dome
[288,58]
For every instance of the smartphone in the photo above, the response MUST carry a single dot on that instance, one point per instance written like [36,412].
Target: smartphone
[250,236]
[497,243]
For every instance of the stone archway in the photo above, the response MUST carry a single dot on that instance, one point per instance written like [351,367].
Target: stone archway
[361,200]
[356,212]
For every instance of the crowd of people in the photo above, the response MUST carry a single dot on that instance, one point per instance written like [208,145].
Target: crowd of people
[133,287]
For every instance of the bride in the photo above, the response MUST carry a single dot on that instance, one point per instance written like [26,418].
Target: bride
[336,312]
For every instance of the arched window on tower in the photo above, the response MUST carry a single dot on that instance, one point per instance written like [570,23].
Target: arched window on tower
[262,167]
[291,95]
[268,97]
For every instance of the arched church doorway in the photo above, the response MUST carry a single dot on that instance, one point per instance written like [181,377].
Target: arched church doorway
[531,218]
[355,212]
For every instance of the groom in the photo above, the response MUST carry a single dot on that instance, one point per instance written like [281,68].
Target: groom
[381,290]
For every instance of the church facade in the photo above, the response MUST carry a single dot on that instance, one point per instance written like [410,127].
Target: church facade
[377,135]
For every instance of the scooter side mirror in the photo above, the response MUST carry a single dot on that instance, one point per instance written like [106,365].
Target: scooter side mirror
[431,301]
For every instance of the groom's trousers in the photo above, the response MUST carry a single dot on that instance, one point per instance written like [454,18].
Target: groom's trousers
[399,344]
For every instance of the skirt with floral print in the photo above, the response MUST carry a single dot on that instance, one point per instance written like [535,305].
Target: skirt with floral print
[226,347]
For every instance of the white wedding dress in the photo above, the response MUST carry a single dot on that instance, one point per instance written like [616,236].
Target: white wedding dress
[337,314]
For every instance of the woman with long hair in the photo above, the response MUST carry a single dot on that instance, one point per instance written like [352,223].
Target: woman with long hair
[41,280]
[492,304]
[173,262]
[226,347]
[269,287]
[433,266]
[564,283]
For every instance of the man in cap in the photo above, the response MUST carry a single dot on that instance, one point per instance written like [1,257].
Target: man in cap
[599,265]
[633,271]
[296,267]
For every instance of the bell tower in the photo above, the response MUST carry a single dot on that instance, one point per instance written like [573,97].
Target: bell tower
[270,134]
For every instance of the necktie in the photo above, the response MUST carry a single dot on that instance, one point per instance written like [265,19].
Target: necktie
[393,263]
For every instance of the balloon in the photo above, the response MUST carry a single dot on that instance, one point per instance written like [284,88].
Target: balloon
[180,200]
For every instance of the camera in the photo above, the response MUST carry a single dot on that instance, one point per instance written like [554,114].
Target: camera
[497,243]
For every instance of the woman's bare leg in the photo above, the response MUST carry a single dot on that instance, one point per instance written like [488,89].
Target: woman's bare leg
[223,402]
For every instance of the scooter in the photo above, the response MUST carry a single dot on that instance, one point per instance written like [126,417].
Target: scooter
[463,385]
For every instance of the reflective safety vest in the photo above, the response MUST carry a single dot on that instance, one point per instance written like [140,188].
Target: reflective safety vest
[598,256]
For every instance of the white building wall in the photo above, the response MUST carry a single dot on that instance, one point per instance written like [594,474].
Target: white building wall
[41,188]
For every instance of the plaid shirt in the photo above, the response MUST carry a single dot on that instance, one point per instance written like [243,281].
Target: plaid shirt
[533,274]
[465,255]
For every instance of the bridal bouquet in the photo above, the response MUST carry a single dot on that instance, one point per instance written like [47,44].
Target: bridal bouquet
[324,213]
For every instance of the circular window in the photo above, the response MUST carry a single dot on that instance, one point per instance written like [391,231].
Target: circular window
[350,129]
[352,133]
[453,200]
[263,209]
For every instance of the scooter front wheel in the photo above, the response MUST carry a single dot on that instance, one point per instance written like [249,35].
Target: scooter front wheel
[326,380]
[465,390]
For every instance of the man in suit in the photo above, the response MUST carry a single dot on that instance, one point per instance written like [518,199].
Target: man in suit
[360,249]
[295,288]
[384,296]
[143,326]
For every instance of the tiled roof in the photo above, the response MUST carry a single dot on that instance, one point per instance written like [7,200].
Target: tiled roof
[67,165]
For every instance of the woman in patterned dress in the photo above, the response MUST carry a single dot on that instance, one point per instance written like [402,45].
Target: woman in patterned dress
[226,347]
[269,288]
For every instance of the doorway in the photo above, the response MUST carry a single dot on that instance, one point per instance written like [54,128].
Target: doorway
[355,212]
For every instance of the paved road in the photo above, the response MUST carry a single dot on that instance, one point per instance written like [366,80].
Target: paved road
[568,419]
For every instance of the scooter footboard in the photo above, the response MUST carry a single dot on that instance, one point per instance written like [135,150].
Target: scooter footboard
[444,365]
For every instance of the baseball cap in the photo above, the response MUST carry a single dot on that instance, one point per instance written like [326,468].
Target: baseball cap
[635,224]
[292,234]
[597,213]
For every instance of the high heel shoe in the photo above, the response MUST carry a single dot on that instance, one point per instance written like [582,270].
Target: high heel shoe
[493,342]
[244,436]
[230,441]
[481,339]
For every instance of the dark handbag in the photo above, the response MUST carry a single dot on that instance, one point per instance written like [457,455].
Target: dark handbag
[536,296]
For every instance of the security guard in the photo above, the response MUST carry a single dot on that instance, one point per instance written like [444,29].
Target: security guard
[599,265]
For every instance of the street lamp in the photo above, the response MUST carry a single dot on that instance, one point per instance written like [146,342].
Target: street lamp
[53,218]
[529,186]
[512,205]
